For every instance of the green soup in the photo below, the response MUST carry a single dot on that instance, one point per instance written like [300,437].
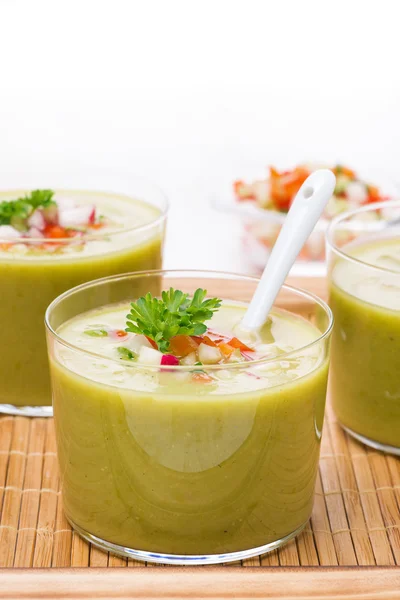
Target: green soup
[153,460]
[30,278]
[365,360]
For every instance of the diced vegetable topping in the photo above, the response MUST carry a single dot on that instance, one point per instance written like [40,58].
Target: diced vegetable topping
[40,215]
[278,190]
[172,315]
[183,345]
[126,353]
[96,332]
[171,332]
[169,359]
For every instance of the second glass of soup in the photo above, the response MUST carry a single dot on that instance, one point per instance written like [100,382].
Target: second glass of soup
[206,454]
[52,239]
[365,299]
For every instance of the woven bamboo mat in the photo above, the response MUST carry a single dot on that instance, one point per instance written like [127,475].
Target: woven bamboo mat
[355,521]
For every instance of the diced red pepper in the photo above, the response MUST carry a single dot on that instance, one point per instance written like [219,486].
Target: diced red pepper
[208,341]
[182,345]
[152,342]
[55,232]
[236,343]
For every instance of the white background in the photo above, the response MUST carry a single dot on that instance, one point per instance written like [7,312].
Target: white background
[194,93]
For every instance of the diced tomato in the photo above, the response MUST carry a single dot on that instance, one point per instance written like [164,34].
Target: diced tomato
[5,246]
[226,349]
[236,343]
[201,377]
[55,232]
[152,342]
[208,341]
[182,345]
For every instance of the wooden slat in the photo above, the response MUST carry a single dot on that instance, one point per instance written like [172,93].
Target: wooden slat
[48,502]
[31,495]
[212,583]
[13,491]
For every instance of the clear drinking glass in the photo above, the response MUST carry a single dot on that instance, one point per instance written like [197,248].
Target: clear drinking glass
[36,271]
[162,469]
[364,274]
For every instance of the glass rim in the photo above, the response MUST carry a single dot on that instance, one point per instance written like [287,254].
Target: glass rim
[182,272]
[97,236]
[349,214]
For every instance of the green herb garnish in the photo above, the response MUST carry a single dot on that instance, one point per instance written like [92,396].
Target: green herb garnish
[174,314]
[16,211]
[96,332]
[125,353]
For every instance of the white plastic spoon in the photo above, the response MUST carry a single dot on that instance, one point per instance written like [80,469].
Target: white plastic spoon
[301,219]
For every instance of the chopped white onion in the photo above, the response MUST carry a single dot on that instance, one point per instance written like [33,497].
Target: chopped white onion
[9,233]
[189,360]
[137,342]
[149,356]
[209,355]
[74,217]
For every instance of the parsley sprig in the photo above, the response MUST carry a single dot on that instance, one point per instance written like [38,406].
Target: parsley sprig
[18,210]
[174,314]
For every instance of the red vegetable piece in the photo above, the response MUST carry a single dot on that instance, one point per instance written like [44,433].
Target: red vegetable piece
[170,360]
[152,342]
[182,345]
[121,333]
[55,232]
[236,343]
[226,349]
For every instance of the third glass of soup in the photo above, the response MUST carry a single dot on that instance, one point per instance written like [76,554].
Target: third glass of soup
[365,299]
[190,447]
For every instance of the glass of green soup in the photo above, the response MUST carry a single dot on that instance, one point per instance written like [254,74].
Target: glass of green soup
[364,274]
[56,237]
[181,438]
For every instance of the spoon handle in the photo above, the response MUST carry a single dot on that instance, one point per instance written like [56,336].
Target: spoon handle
[301,219]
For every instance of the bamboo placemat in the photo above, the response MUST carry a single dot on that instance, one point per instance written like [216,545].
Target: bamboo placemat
[355,521]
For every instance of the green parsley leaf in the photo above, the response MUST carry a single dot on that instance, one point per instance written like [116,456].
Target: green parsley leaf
[15,212]
[125,353]
[96,332]
[174,314]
